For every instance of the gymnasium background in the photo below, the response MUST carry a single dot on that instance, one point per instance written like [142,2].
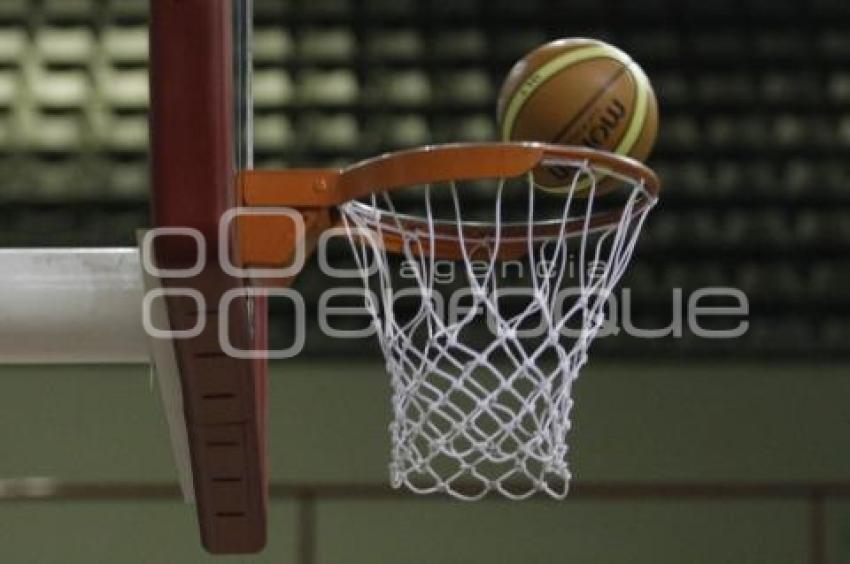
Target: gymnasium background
[684,449]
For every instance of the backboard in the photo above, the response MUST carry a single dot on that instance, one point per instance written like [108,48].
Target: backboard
[201,132]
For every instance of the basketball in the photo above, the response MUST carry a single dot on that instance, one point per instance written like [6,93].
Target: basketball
[578,92]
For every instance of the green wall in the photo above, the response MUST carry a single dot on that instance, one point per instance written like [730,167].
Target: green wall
[740,425]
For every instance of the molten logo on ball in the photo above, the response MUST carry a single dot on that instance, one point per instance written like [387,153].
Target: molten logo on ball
[599,132]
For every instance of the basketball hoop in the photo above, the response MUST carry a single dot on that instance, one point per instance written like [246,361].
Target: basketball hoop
[474,413]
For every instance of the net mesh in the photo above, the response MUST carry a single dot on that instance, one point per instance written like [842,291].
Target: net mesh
[482,364]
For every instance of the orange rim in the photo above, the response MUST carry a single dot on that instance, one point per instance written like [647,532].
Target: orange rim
[325,188]
[424,165]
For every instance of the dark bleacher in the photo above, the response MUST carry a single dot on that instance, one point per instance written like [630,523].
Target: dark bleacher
[753,148]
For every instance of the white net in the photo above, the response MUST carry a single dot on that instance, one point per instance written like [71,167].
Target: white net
[482,363]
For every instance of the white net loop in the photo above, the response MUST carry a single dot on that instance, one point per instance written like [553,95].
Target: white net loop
[482,366]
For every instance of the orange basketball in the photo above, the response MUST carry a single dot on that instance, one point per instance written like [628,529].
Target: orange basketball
[579,92]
